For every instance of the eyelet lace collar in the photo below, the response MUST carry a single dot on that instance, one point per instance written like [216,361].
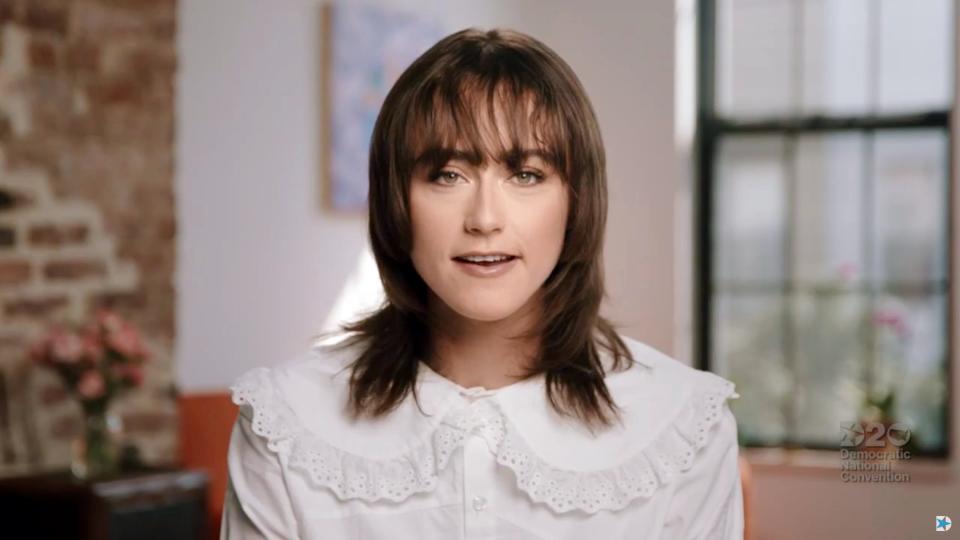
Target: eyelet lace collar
[351,476]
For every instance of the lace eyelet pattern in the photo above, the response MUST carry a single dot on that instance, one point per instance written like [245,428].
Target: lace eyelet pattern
[614,488]
[350,476]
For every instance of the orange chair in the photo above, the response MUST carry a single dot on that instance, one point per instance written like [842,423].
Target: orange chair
[206,421]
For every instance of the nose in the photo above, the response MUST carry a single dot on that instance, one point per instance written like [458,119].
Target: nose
[484,212]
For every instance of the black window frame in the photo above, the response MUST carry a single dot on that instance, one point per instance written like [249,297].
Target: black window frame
[711,127]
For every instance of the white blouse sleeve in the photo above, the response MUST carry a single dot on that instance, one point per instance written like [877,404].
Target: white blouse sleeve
[708,501]
[256,504]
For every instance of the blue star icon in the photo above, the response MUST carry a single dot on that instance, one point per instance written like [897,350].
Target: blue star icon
[943,523]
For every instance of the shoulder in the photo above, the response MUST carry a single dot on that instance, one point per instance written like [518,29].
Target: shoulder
[298,407]
[681,394]
[673,416]
[668,383]
[306,396]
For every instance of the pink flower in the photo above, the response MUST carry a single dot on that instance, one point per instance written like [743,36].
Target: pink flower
[126,341]
[109,320]
[67,348]
[91,385]
[92,349]
[129,373]
[891,320]
[848,271]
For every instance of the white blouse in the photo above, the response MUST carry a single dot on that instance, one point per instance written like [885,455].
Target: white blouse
[477,463]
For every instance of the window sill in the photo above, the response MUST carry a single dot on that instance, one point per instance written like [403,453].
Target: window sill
[826,463]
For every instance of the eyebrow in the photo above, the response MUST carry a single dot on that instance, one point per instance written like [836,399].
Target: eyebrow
[437,156]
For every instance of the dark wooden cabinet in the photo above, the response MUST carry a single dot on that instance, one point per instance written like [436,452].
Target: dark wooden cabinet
[148,504]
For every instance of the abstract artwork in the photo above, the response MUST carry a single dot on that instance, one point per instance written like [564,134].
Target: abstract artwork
[369,47]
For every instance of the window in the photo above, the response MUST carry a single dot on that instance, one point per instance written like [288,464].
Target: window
[823,246]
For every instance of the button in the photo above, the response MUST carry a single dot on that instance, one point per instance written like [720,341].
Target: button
[479,503]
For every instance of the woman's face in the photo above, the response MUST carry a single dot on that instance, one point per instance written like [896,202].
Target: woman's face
[490,209]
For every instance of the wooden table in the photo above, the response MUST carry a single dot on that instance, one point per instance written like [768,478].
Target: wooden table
[146,504]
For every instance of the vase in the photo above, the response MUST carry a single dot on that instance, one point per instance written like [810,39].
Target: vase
[96,453]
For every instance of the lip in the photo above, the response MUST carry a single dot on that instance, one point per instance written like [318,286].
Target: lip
[487,254]
[491,271]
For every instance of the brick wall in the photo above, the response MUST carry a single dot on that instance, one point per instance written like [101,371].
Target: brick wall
[86,207]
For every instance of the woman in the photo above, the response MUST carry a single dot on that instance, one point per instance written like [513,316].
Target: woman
[486,398]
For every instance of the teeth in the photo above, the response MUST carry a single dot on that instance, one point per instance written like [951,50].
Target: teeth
[486,258]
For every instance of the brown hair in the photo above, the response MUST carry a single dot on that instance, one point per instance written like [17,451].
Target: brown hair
[435,105]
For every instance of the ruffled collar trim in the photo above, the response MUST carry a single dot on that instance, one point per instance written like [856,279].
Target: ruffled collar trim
[351,476]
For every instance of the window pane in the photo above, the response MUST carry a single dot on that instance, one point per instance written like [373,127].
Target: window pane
[755,58]
[829,345]
[748,350]
[916,55]
[829,209]
[836,37]
[910,211]
[750,209]
[910,358]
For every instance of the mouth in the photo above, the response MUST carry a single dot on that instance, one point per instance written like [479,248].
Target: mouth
[486,265]
[485,259]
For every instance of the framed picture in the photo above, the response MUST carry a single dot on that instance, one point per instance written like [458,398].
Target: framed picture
[367,49]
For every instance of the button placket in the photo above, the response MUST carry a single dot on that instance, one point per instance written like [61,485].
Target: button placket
[479,465]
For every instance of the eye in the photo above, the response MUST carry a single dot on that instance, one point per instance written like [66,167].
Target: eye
[444,177]
[529,178]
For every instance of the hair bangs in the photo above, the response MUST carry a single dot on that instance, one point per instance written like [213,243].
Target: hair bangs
[477,119]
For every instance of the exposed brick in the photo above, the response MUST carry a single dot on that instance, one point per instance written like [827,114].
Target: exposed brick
[100,99]
[34,307]
[57,235]
[138,4]
[6,11]
[14,272]
[10,200]
[60,270]
[83,56]
[124,301]
[65,427]
[6,128]
[125,91]
[19,343]
[8,237]
[53,394]
[46,16]
[152,59]
[42,54]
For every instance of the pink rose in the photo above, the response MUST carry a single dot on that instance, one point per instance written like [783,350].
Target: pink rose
[66,347]
[129,373]
[91,385]
[109,320]
[125,341]
[92,349]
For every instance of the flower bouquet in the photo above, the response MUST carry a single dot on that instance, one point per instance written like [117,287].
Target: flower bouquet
[95,362]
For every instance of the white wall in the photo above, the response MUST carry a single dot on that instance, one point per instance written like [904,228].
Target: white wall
[260,265]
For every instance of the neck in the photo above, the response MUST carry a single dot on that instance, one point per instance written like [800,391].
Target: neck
[481,353]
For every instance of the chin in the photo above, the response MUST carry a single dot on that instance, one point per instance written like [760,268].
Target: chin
[486,313]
